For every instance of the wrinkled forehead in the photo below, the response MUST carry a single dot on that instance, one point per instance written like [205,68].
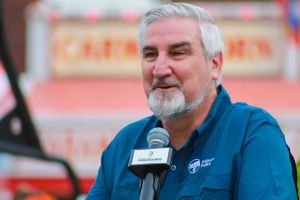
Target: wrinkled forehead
[170,30]
[169,25]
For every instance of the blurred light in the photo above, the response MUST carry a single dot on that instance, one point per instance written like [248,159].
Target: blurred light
[247,13]
[16,126]
[92,15]
[54,16]
[131,15]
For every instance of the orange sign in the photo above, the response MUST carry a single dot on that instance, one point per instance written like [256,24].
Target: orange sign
[252,48]
[107,48]
[111,48]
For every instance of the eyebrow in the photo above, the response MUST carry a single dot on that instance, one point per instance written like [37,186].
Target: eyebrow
[181,44]
[148,47]
[173,46]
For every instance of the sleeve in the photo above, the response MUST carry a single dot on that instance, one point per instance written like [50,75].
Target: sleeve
[265,171]
[99,190]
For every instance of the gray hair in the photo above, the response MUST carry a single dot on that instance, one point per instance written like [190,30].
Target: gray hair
[210,34]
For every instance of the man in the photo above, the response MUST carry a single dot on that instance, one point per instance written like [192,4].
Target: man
[221,150]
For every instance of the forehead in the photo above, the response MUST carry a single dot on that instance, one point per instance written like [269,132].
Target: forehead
[172,30]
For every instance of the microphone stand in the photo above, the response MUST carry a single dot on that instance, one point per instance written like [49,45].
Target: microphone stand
[151,164]
[150,187]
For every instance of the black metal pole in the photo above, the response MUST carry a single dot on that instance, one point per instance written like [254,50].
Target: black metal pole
[36,153]
[9,67]
[34,149]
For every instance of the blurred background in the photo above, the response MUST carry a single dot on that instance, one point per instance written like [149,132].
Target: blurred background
[78,67]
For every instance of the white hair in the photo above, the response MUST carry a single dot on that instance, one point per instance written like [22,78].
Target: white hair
[210,34]
[168,105]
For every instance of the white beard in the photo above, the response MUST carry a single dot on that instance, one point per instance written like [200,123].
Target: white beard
[167,105]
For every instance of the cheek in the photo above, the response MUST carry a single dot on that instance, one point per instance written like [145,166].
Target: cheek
[147,79]
[193,84]
[147,69]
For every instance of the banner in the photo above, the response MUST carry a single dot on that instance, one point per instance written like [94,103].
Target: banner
[98,49]
[252,48]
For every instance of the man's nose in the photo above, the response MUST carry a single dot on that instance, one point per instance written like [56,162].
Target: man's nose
[162,67]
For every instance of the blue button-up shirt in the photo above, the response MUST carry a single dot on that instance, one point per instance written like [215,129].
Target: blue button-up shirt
[239,152]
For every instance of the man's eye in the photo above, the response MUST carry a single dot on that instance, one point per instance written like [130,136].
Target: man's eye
[178,54]
[150,55]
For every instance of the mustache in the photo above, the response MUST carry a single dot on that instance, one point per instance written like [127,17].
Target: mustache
[165,82]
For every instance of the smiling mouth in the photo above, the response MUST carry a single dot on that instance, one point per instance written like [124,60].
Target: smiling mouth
[165,84]
[164,87]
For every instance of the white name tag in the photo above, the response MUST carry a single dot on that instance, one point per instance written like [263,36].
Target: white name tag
[151,156]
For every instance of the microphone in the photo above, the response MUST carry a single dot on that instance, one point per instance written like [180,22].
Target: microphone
[158,138]
[149,164]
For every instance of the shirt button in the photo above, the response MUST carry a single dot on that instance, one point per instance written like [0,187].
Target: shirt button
[173,167]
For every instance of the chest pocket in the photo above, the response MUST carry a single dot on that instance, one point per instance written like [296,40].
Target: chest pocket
[213,188]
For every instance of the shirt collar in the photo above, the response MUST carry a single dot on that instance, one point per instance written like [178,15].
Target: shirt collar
[216,110]
[214,114]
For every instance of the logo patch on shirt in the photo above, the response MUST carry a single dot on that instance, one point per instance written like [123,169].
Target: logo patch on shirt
[206,162]
[196,164]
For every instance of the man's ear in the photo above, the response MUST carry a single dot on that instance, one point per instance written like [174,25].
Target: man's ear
[217,62]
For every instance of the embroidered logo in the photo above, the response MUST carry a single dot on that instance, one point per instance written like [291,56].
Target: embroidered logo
[194,166]
[207,162]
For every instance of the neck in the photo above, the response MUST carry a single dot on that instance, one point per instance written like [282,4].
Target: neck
[181,127]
